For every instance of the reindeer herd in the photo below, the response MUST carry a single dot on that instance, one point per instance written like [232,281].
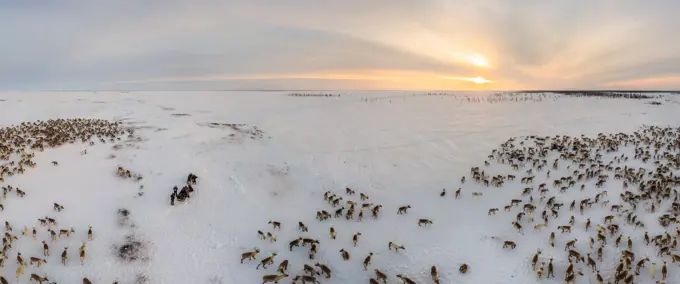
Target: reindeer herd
[34,137]
[640,167]
[343,206]
[631,178]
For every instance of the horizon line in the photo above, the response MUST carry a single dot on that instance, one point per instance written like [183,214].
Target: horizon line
[345,90]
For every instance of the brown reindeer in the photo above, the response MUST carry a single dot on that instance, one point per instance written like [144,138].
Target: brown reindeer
[306,279]
[379,275]
[64,255]
[38,261]
[434,274]
[273,278]
[249,255]
[39,279]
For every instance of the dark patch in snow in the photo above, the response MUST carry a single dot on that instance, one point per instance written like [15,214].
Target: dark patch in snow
[141,279]
[654,103]
[98,102]
[132,249]
[166,108]
[180,114]
[123,217]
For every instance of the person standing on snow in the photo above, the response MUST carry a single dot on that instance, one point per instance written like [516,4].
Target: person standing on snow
[173,196]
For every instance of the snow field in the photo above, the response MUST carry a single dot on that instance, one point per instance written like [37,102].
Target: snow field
[399,150]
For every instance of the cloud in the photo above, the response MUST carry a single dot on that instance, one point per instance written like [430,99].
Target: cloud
[148,44]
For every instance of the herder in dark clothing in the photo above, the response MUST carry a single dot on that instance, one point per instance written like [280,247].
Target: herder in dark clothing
[173,196]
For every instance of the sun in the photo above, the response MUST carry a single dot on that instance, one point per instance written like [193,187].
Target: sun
[478,61]
[478,80]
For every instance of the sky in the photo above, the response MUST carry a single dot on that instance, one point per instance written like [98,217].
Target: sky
[349,44]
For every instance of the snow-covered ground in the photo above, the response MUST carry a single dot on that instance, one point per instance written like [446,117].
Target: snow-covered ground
[396,147]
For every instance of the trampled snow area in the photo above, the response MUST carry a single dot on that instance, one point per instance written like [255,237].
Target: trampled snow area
[266,156]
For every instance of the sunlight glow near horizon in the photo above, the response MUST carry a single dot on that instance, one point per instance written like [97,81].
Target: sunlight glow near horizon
[476,80]
[479,80]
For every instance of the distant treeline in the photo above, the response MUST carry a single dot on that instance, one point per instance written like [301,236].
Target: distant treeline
[313,95]
[438,94]
[498,97]
[637,95]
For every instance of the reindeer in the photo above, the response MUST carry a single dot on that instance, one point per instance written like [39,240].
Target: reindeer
[434,275]
[295,243]
[38,278]
[58,207]
[66,232]
[570,244]
[325,269]
[375,211]
[268,260]
[271,237]
[509,244]
[273,278]
[394,246]
[518,227]
[46,249]
[367,260]
[20,270]
[463,268]
[302,227]
[306,279]
[250,255]
[344,254]
[534,260]
[275,224]
[64,255]
[538,227]
[379,275]
[403,209]
[355,238]
[82,254]
[405,279]
[539,273]
[283,266]
[424,222]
